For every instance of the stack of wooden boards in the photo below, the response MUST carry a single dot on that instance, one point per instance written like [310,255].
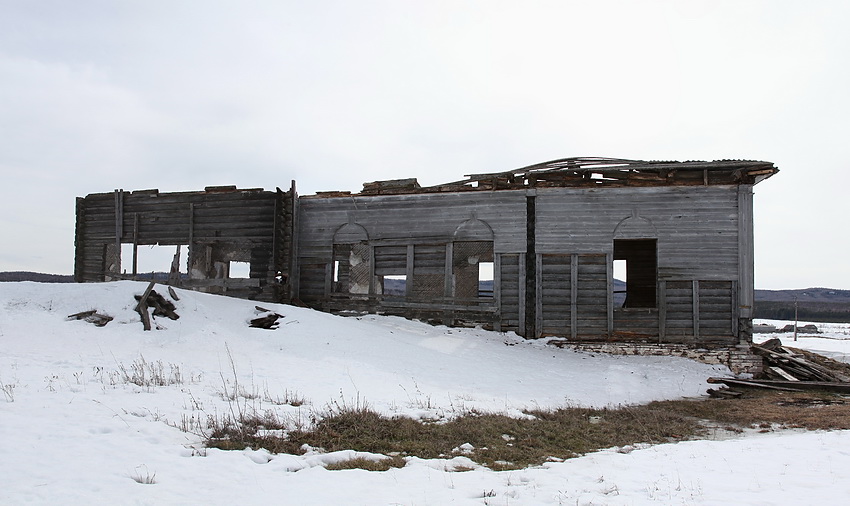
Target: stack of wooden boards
[788,369]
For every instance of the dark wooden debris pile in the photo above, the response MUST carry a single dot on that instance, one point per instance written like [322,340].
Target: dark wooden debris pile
[790,370]
[268,321]
[784,364]
[92,316]
[161,306]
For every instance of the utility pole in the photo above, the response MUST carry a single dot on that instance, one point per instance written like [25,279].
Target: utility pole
[795,318]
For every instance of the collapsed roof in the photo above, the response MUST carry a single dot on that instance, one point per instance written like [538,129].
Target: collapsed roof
[589,172]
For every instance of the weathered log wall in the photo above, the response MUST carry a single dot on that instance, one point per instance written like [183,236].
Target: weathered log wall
[696,270]
[218,226]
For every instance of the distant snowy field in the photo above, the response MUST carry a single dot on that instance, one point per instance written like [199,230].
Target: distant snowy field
[832,342]
[73,433]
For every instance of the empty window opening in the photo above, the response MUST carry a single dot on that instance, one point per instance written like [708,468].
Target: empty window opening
[637,261]
[395,284]
[239,270]
[155,261]
[620,280]
[485,279]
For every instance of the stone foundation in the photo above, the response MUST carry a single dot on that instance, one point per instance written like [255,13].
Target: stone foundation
[740,359]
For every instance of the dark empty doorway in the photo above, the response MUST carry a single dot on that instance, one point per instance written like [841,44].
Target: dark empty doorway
[640,256]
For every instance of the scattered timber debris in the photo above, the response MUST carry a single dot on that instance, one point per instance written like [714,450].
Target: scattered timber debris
[724,393]
[268,321]
[785,364]
[161,306]
[791,370]
[99,320]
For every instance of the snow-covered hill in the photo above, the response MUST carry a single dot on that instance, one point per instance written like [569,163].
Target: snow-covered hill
[75,432]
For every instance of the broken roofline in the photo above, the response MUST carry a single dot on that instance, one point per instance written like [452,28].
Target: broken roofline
[588,172]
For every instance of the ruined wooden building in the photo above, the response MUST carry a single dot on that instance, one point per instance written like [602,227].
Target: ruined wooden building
[531,250]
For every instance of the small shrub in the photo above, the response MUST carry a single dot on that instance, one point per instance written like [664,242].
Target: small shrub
[368,464]
[288,398]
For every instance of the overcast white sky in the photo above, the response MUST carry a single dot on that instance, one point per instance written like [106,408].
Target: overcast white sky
[178,95]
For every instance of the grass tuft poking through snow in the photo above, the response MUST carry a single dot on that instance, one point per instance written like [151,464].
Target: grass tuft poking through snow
[143,476]
[150,374]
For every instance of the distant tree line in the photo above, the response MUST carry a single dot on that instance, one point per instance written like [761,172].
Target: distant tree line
[36,276]
[808,311]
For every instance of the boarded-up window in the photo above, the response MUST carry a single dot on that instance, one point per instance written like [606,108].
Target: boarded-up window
[429,271]
[470,261]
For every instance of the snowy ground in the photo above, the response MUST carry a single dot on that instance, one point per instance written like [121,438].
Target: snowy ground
[74,432]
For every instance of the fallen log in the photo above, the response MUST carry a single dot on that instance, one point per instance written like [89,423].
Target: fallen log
[724,393]
[791,386]
[268,322]
[92,316]
[750,383]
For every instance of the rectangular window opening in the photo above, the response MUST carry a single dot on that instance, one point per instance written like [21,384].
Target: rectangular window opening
[620,282]
[155,261]
[239,270]
[395,284]
[636,260]
[485,279]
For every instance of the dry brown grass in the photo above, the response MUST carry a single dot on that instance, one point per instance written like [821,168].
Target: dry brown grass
[501,442]
[367,464]
[766,408]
